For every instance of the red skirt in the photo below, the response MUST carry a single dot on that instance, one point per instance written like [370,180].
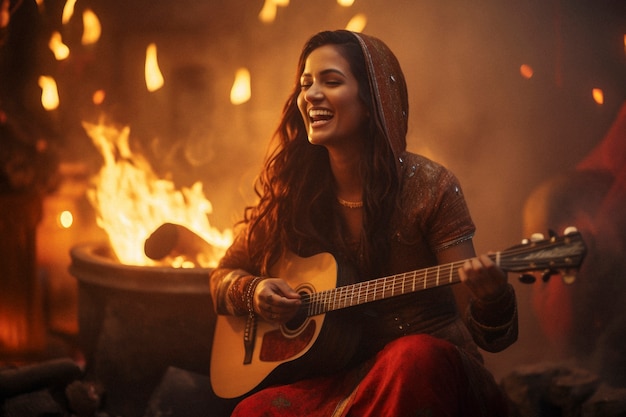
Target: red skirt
[416,375]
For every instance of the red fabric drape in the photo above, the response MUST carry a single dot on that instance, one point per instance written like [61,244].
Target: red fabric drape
[416,375]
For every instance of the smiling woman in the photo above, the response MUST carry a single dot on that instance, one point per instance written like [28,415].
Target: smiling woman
[327,100]
[341,181]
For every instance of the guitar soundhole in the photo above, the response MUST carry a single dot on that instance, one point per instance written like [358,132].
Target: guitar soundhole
[295,325]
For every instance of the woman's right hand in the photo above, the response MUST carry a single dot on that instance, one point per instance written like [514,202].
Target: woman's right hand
[275,300]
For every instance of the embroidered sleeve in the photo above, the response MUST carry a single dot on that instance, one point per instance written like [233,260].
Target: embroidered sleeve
[433,206]
[451,223]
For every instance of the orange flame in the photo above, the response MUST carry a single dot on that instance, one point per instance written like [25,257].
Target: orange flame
[49,92]
[240,92]
[269,10]
[68,11]
[5,13]
[598,95]
[131,202]
[357,23]
[154,78]
[58,48]
[92,28]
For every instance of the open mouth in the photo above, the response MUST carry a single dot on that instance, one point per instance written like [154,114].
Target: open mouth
[318,116]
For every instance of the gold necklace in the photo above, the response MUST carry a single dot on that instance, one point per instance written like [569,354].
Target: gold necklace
[350,204]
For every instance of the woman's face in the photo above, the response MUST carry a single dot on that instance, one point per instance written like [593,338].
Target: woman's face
[329,102]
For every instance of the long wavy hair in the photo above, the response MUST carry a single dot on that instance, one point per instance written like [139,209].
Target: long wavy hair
[298,209]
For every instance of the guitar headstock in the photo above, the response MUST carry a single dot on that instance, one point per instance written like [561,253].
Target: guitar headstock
[550,256]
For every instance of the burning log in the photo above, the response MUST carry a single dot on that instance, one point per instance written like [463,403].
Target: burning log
[173,240]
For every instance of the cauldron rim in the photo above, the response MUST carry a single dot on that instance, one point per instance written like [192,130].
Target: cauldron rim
[91,265]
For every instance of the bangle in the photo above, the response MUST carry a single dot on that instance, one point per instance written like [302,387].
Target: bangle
[249,295]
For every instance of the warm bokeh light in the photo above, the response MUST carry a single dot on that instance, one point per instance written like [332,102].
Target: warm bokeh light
[154,78]
[526,71]
[49,92]
[66,219]
[270,7]
[357,23]
[58,48]
[98,97]
[91,28]
[598,95]
[5,14]
[241,92]
[68,11]
[345,3]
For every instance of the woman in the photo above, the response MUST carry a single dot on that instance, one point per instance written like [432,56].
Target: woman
[341,181]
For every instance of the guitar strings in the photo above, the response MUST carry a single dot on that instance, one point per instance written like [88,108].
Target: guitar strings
[353,294]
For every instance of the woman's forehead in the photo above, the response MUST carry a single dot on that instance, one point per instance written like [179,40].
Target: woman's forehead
[324,59]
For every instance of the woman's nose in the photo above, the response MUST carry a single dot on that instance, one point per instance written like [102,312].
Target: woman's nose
[313,93]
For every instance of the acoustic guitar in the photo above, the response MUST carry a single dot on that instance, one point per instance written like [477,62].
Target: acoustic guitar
[284,352]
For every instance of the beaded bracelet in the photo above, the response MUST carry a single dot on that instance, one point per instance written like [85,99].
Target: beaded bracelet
[249,295]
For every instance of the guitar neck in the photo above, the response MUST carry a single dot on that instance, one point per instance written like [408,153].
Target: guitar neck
[557,252]
[381,288]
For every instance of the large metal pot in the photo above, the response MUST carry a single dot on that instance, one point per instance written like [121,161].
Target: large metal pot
[136,321]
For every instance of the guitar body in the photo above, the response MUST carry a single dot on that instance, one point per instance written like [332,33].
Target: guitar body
[288,352]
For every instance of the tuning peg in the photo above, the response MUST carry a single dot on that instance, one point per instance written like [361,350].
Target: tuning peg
[570,230]
[535,237]
[569,277]
[545,277]
[527,278]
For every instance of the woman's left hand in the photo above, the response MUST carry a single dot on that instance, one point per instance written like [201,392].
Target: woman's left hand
[483,277]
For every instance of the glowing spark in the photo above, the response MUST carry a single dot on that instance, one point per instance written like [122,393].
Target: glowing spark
[49,92]
[240,92]
[5,14]
[357,23]
[56,45]
[68,11]
[93,29]
[526,71]
[66,219]
[98,97]
[154,78]
[598,95]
